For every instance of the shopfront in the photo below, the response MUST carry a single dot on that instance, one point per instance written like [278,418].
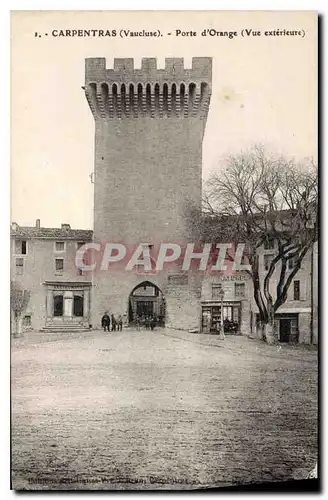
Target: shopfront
[67,305]
[211,317]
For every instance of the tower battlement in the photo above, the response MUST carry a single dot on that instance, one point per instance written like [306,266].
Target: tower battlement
[128,92]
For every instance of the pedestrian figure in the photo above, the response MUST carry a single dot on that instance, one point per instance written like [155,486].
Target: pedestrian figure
[147,322]
[138,323]
[119,323]
[153,323]
[114,323]
[105,322]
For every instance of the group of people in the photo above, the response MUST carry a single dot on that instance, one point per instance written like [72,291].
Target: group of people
[110,323]
[149,322]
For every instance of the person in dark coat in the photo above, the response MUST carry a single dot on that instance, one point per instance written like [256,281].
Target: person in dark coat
[105,322]
[114,323]
[153,323]
[119,323]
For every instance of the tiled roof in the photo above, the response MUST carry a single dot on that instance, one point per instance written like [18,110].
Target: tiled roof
[52,233]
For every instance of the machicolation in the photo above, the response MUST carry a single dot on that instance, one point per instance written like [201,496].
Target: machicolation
[150,92]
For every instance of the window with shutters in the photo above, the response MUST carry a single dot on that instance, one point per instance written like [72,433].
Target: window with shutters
[240,290]
[216,288]
[59,266]
[297,290]
[20,247]
[60,246]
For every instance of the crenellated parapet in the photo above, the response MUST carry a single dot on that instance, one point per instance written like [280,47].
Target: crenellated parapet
[126,92]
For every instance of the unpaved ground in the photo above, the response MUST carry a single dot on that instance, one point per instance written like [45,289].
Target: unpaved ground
[159,410]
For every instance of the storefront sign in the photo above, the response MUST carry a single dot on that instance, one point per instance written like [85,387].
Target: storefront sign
[233,277]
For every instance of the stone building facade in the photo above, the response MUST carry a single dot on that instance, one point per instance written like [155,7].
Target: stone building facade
[295,321]
[43,263]
[149,127]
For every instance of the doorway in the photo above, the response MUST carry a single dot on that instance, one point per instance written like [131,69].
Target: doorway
[288,327]
[284,330]
[58,305]
[146,300]
[145,308]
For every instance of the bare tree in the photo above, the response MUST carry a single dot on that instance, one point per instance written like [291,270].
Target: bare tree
[19,299]
[260,197]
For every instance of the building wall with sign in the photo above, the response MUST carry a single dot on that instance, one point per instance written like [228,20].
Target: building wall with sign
[296,319]
[235,300]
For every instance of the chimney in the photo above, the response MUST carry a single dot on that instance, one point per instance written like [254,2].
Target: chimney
[65,226]
[37,223]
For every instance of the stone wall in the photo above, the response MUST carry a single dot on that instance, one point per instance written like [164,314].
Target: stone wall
[111,293]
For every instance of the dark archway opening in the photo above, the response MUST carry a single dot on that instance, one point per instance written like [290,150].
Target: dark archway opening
[58,305]
[146,301]
[78,305]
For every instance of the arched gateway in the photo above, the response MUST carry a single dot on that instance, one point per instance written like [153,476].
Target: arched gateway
[146,300]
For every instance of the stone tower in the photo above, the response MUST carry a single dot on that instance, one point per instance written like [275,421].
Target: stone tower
[149,127]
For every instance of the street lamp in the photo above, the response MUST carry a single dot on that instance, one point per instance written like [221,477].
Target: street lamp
[221,295]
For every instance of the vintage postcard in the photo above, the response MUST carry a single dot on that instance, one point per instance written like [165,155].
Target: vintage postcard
[164,250]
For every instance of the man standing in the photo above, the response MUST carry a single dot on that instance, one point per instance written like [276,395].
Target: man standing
[105,322]
[153,323]
[119,323]
[113,323]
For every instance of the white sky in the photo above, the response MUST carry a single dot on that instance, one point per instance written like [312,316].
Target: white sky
[264,90]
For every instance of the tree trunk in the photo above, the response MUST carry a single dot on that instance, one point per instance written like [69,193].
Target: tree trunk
[270,333]
[262,327]
[18,326]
